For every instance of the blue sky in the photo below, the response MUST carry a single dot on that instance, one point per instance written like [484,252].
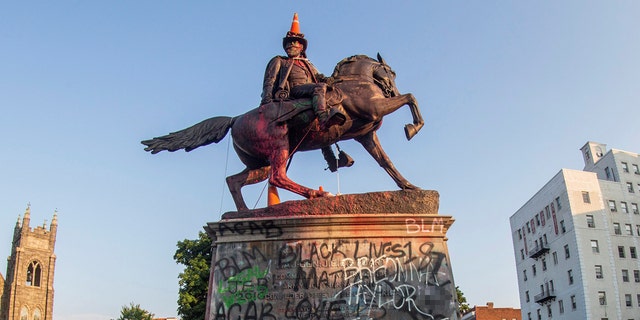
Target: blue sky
[510,91]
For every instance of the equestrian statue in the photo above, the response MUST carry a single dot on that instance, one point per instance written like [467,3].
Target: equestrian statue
[303,110]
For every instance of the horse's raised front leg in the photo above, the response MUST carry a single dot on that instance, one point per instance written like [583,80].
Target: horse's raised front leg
[411,129]
[392,104]
[371,143]
[245,177]
[279,177]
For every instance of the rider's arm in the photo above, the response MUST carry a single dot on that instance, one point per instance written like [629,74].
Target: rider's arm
[319,76]
[270,77]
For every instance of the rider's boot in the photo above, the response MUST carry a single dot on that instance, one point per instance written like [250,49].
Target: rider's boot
[328,119]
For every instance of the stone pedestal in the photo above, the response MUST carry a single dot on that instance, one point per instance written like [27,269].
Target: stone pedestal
[375,256]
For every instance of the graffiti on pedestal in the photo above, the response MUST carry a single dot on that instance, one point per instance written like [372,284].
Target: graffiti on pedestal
[333,279]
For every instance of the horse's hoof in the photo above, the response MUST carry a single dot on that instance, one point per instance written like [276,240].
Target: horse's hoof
[410,130]
[320,193]
[410,187]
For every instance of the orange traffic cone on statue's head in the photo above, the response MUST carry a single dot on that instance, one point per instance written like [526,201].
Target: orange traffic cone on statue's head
[295,24]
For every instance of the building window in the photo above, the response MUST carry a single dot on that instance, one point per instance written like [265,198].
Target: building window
[638,229]
[625,167]
[594,246]
[567,255]
[570,274]
[634,208]
[519,234]
[630,187]
[607,173]
[616,228]
[34,272]
[533,269]
[623,207]
[621,252]
[628,230]
[549,314]
[558,203]
[590,222]
[636,170]
[585,197]
[612,205]
[544,264]
[636,275]
[539,314]
[632,253]
[561,306]
[547,212]
[522,253]
[524,274]
[555,257]
[599,274]
[627,300]
[625,275]
[638,298]
[602,298]
[528,228]
[562,227]
[24,313]
[526,296]
[574,304]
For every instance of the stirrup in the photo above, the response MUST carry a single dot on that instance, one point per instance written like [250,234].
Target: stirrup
[344,160]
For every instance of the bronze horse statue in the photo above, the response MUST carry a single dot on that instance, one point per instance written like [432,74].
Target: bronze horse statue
[266,137]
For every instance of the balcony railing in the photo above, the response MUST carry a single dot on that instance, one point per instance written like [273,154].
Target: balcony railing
[545,296]
[538,251]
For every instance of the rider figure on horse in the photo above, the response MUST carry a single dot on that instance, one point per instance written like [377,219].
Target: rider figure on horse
[294,76]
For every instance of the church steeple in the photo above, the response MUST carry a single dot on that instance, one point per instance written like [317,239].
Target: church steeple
[28,288]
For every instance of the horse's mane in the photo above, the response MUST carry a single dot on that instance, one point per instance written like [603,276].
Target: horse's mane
[336,70]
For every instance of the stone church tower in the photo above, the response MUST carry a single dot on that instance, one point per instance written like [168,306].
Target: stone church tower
[26,291]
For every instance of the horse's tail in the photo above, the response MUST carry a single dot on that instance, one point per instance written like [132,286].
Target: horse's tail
[201,134]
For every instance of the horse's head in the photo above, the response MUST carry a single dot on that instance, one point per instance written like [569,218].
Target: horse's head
[385,78]
[361,66]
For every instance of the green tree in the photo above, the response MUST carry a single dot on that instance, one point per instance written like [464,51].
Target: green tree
[463,306]
[134,312]
[195,255]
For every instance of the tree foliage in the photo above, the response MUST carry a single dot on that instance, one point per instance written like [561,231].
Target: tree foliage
[134,312]
[463,306]
[195,255]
